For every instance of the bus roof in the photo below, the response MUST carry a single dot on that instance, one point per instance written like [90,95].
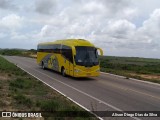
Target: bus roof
[70,42]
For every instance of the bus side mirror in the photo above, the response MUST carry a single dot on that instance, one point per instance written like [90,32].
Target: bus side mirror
[101,51]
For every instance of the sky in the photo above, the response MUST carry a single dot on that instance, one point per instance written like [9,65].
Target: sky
[120,27]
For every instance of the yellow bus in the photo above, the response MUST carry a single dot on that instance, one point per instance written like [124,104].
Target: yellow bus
[73,57]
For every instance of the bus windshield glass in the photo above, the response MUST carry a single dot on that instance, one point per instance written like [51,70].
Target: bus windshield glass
[86,56]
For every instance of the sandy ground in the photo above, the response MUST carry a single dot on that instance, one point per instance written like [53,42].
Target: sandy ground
[151,76]
[157,77]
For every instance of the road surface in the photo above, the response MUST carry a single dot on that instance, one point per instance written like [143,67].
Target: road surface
[103,93]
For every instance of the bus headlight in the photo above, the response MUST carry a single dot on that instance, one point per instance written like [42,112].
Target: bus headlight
[76,70]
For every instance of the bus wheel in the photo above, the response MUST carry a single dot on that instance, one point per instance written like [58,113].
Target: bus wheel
[43,67]
[63,72]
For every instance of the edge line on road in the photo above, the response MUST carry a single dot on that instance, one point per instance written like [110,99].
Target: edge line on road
[62,93]
[107,104]
[131,78]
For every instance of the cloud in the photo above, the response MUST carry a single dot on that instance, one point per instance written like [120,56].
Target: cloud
[6,4]
[45,6]
[151,27]
[17,36]
[123,34]
[2,35]
[107,22]
[92,7]
[119,27]
[119,9]
[11,22]
[116,6]
[149,32]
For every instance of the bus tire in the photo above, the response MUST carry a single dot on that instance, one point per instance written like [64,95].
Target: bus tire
[43,67]
[63,72]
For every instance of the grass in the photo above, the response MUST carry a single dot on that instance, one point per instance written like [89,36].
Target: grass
[22,99]
[140,68]
[19,52]
[21,83]
[11,52]
[22,92]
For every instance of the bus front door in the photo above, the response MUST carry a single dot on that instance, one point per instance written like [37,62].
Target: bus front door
[71,69]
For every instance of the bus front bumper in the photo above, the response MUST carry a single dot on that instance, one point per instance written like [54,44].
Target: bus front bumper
[89,74]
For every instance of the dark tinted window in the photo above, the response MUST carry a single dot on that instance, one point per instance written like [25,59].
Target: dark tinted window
[86,56]
[56,48]
[67,53]
[49,48]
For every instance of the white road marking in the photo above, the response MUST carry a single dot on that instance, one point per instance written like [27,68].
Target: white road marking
[131,79]
[129,89]
[62,94]
[107,104]
[100,101]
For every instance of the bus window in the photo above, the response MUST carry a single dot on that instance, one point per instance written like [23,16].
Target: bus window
[86,56]
[67,53]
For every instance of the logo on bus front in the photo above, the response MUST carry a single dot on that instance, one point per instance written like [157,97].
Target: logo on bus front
[88,69]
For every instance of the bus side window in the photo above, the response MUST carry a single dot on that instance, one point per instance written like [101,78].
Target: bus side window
[56,48]
[67,53]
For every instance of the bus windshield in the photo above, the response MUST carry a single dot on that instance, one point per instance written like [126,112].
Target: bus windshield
[86,56]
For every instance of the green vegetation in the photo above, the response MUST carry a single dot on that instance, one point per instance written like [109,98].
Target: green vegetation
[22,92]
[11,52]
[140,68]
[19,52]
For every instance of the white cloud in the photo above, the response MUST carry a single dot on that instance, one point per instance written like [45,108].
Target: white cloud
[45,6]
[149,32]
[151,27]
[11,22]
[2,35]
[93,7]
[6,4]
[130,13]
[17,36]
[119,33]
[119,27]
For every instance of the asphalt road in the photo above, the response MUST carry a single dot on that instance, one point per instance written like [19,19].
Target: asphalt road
[103,93]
